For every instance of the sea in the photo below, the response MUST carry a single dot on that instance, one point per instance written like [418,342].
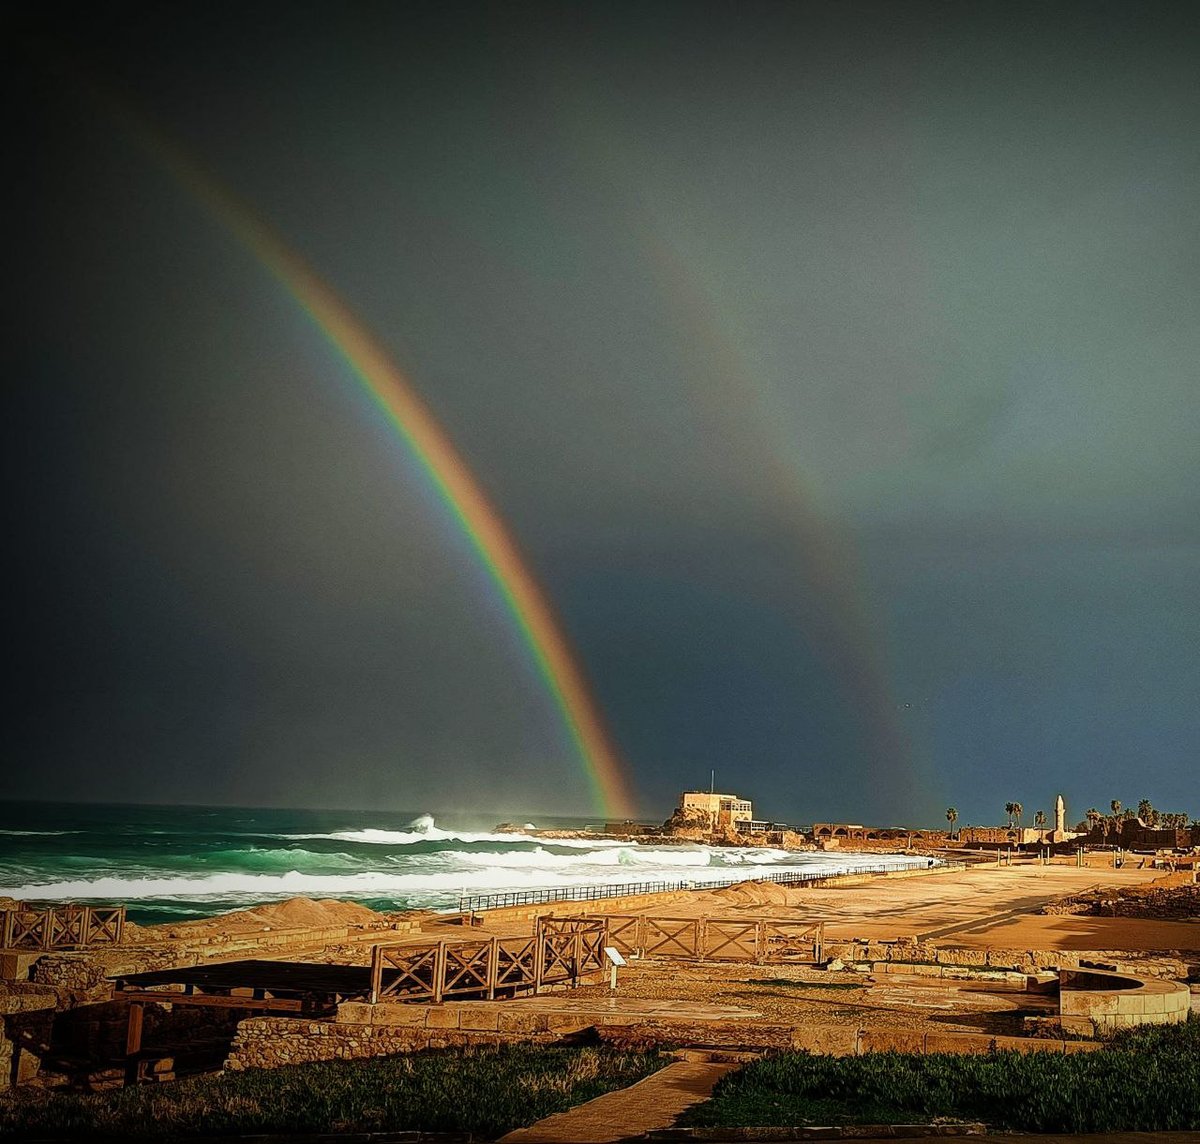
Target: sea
[174,863]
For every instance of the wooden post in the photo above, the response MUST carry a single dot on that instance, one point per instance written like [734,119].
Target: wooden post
[48,929]
[439,972]
[576,956]
[6,943]
[493,969]
[133,1041]
[376,973]
[701,935]
[539,955]
[819,943]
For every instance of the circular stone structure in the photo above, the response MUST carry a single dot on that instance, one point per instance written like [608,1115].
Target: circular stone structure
[1097,1000]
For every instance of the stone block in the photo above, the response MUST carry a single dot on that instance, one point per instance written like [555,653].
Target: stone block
[386,1013]
[479,1018]
[832,1040]
[441,1017]
[958,1043]
[518,1022]
[891,1040]
[15,964]
[27,1065]
[568,1023]
[1031,1044]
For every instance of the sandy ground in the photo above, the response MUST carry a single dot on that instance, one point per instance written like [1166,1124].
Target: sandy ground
[886,908]
[979,906]
[932,905]
[799,996]
[1036,932]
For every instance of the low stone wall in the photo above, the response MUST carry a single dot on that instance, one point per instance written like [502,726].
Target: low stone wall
[1095,1001]
[271,1042]
[1165,903]
[1027,961]
[362,1030]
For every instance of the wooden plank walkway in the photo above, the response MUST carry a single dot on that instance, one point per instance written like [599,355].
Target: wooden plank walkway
[651,1103]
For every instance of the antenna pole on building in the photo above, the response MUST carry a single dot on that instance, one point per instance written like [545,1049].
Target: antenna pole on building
[712,781]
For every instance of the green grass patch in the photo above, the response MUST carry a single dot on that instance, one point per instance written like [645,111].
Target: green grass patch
[484,1091]
[1144,1080]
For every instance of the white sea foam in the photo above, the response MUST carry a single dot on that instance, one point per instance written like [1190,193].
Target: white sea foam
[40,833]
[384,883]
[435,834]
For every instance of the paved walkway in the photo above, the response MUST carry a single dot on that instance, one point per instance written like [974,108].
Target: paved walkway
[651,1103]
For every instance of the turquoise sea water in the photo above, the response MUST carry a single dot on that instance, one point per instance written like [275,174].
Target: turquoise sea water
[168,863]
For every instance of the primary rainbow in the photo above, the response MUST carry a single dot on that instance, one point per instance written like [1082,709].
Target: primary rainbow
[461,492]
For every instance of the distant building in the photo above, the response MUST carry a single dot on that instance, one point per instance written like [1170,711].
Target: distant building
[1134,834]
[760,826]
[837,832]
[712,811]
[631,827]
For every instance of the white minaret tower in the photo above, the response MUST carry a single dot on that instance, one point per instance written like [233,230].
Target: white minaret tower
[1060,816]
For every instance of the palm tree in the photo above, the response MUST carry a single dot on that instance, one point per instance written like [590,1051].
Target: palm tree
[952,818]
[1018,810]
[1145,811]
[1039,820]
[1115,807]
[1009,809]
[1093,817]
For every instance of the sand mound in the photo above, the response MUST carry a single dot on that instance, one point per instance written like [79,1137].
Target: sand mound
[303,912]
[295,913]
[753,894]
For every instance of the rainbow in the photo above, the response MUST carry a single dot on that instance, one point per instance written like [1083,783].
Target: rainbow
[458,488]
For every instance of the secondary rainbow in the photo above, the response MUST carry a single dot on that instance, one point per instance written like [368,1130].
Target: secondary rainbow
[481,523]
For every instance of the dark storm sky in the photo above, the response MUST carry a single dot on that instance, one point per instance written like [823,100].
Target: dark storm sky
[835,366]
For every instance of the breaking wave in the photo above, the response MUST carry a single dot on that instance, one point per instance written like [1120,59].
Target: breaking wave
[201,869]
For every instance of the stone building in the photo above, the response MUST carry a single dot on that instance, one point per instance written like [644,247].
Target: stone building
[709,810]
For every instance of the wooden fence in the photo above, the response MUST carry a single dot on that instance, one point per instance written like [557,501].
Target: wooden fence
[560,952]
[716,939]
[60,927]
[807,876]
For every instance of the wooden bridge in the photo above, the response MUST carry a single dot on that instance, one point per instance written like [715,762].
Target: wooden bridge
[25,927]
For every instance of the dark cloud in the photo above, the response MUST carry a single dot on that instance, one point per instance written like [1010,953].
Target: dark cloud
[834,364]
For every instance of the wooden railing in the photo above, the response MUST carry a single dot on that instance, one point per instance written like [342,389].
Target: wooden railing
[560,952]
[474,903]
[716,939]
[60,927]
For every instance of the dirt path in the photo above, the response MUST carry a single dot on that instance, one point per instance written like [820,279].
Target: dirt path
[651,1103]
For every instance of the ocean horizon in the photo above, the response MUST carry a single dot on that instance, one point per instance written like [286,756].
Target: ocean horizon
[175,863]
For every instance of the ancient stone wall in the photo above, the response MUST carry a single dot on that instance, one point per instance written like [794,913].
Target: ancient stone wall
[1170,903]
[270,1042]
[1028,961]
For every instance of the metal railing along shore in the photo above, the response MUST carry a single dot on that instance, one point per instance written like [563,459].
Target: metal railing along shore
[473,903]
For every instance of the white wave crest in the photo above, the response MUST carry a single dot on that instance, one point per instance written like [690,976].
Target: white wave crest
[384,883]
[40,833]
[435,834]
